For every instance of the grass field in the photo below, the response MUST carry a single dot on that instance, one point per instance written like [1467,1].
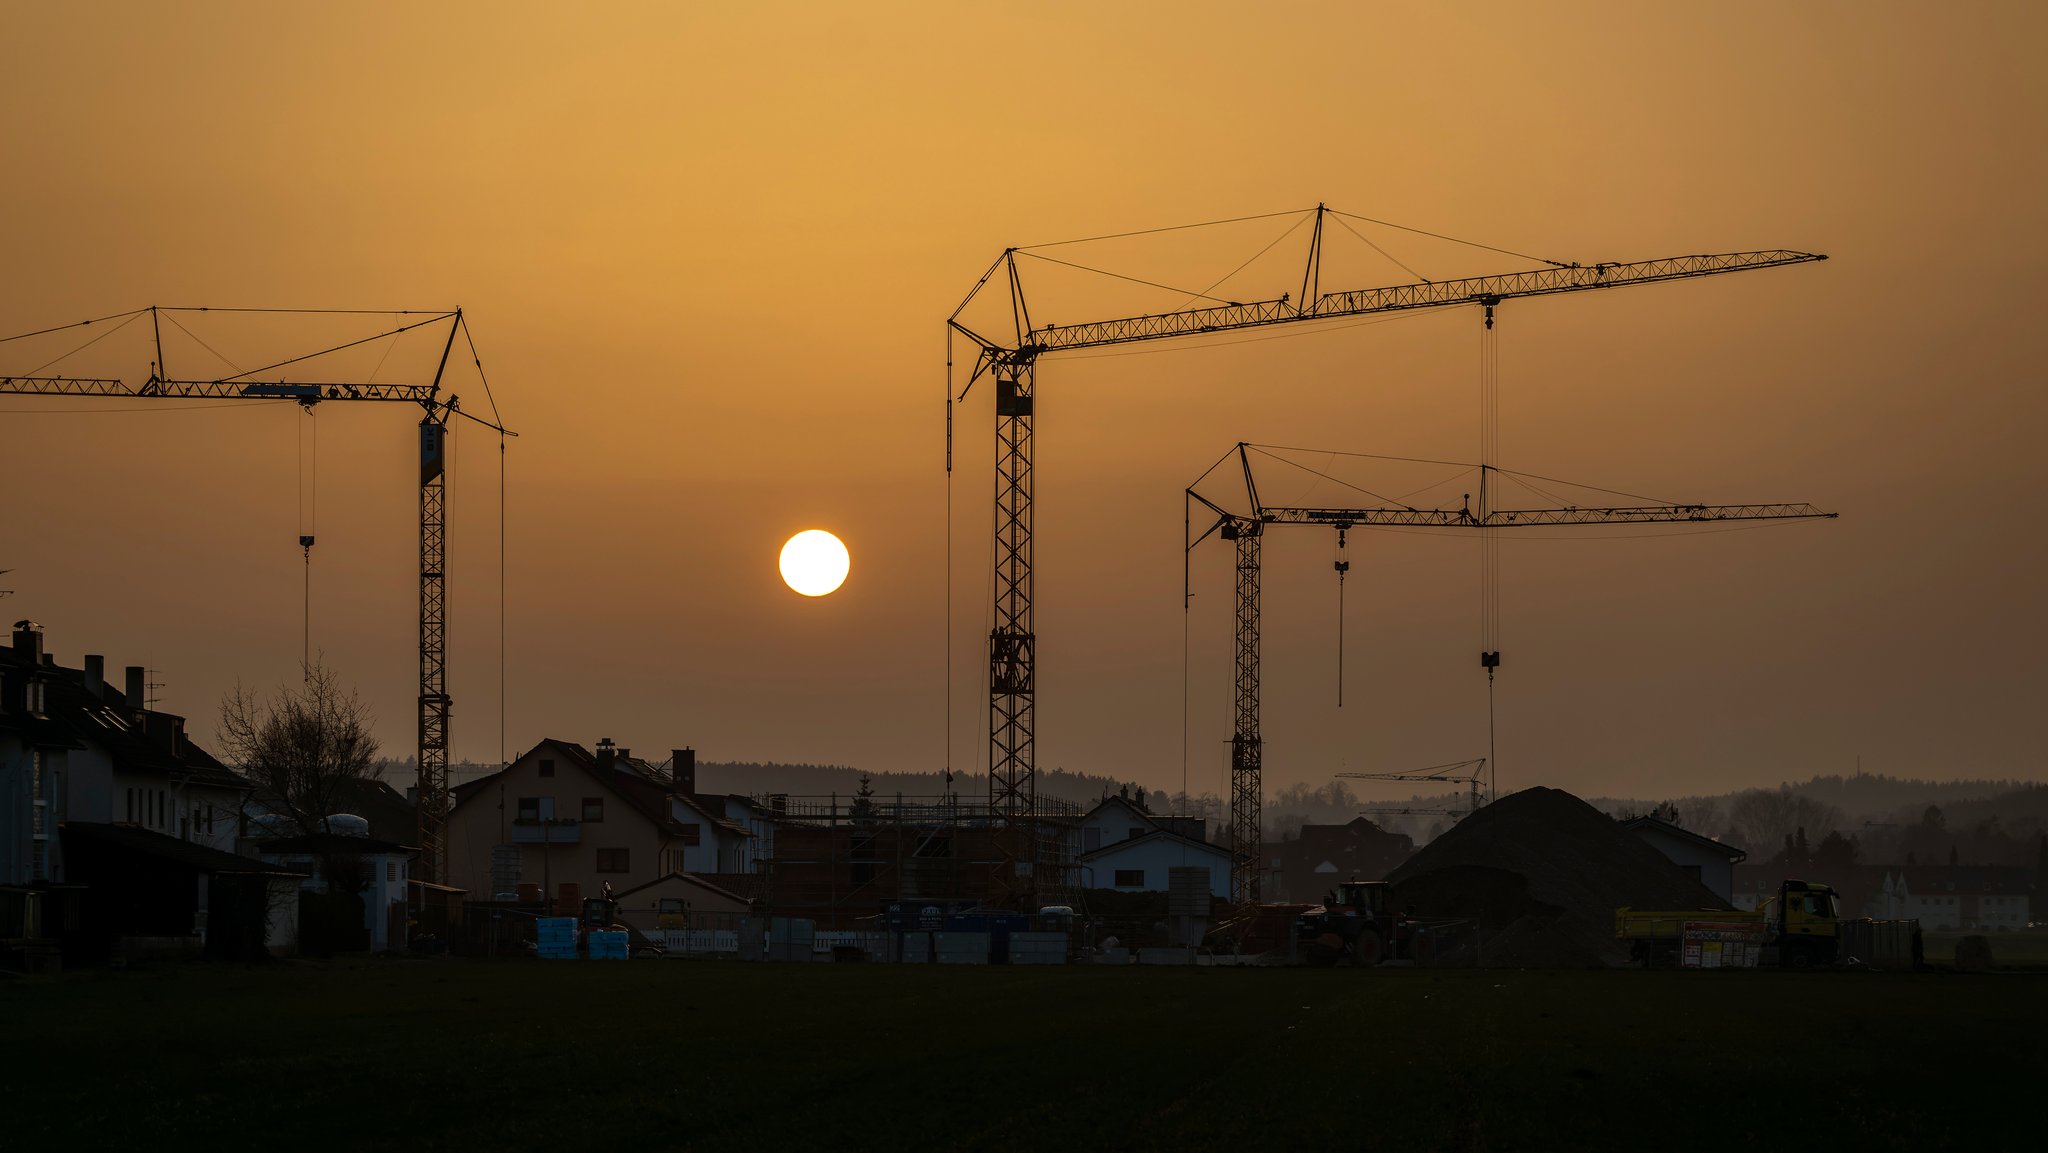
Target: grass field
[2027,948]
[407,1055]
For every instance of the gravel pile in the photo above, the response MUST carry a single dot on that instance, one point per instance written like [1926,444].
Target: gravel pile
[1543,871]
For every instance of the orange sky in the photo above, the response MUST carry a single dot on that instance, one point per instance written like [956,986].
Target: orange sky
[707,251]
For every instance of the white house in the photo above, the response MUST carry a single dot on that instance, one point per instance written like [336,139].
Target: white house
[332,860]
[1706,860]
[1974,897]
[1139,864]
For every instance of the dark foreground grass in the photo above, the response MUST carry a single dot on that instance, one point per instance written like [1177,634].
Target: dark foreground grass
[406,1055]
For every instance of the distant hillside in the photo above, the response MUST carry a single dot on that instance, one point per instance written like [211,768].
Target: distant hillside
[750,777]
[1980,821]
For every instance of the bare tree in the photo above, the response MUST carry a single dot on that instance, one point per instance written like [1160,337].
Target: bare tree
[301,747]
[1761,819]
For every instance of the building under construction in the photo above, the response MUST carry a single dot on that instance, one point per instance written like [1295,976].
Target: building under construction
[841,860]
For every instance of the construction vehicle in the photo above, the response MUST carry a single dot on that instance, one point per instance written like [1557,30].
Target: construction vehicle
[1356,924]
[1801,927]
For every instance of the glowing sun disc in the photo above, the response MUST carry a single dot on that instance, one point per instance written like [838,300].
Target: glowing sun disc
[814,562]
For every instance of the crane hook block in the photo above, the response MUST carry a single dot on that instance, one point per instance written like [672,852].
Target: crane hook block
[1489,660]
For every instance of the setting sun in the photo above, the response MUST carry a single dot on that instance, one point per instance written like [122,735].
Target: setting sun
[814,562]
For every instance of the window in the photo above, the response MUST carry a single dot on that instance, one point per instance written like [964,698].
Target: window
[1692,871]
[693,835]
[131,806]
[547,766]
[529,808]
[1135,832]
[611,861]
[1130,878]
[593,808]
[391,871]
[1091,839]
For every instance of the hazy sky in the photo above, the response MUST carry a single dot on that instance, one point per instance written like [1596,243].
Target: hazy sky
[707,252]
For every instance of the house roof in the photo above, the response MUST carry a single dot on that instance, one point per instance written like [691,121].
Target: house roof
[203,858]
[690,879]
[1962,880]
[334,843]
[1114,799]
[1641,825]
[647,797]
[1157,835]
[136,740]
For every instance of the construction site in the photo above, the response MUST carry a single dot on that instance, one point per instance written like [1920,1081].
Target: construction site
[1534,877]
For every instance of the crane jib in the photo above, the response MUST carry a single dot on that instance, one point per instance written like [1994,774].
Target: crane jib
[1427,294]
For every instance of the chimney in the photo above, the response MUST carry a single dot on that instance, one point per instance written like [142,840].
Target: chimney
[135,687]
[95,674]
[28,642]
[607,752]
[683,766]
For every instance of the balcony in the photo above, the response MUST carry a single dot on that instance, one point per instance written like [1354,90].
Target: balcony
[558,831]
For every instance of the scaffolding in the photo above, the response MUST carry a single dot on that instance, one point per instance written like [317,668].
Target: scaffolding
[840,859]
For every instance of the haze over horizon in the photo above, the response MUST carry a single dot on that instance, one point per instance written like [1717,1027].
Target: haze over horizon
[707,253]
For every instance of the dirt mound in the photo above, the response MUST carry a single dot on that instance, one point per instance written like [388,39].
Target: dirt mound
[1543,871]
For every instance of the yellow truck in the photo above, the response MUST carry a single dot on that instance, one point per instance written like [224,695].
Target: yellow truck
[1801,927]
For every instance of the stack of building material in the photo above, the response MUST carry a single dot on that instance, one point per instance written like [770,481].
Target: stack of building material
[961,948]
[608,945]
[1038,948]
[557,938]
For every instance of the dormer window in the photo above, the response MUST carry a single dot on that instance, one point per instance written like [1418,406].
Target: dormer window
[35,699]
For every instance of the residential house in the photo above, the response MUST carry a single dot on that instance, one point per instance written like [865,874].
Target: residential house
[1114,818]
[1139,864]
[78,754]
[1708,861]
[573,821]
[1976,898]
[705,905]
[348,865]
[1308,866]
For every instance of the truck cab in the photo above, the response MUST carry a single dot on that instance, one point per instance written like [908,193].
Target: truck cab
[1805,919]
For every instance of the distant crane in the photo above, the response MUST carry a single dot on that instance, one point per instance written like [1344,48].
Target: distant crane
[1012,363]
[1468,773]
[1247,531]
[434,700]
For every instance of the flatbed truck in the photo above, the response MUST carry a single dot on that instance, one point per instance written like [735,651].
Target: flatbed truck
[1803,923]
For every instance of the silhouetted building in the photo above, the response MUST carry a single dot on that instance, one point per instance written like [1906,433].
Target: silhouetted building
[1309,865]
[1708,861]
[78,754]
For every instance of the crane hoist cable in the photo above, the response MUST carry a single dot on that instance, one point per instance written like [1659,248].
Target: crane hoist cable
[309,512]
[1343,566]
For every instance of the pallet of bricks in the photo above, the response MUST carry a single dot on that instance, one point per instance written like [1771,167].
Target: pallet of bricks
[557,938]
[608,945]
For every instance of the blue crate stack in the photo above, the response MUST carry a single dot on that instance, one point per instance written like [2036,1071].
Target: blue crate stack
[557,938]
[608,945]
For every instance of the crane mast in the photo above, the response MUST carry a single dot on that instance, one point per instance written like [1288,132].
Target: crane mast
[1012,364]
[1247,761]
[435,703]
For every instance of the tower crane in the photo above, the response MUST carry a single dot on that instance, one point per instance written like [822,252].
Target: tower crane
[1468,773]
[1011,361]
[271,383]
[1247,530]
